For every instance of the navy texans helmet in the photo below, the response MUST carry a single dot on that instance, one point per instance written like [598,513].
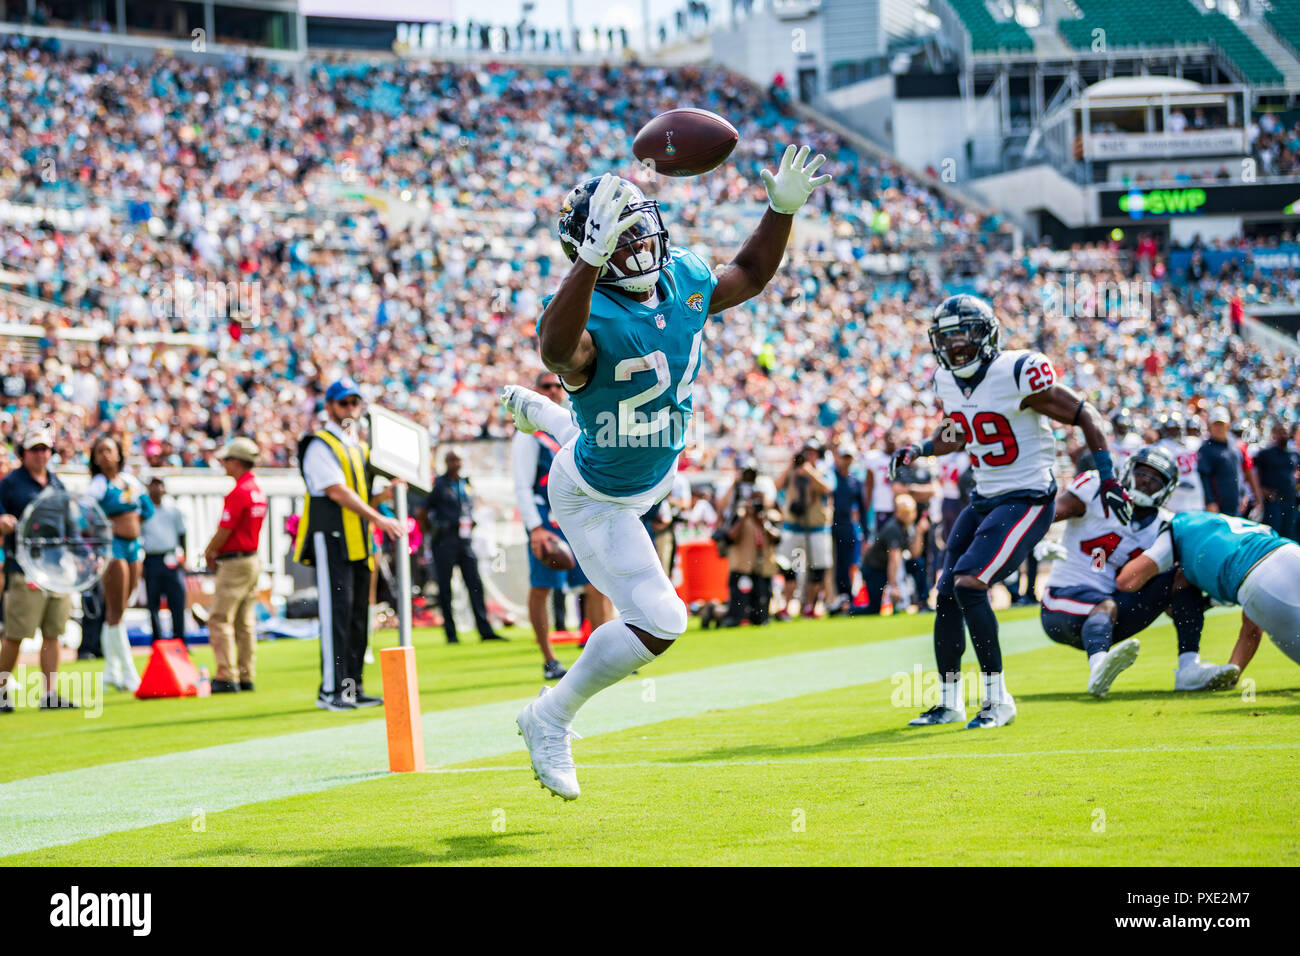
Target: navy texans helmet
[965,334]
[641,272]
[1160,462]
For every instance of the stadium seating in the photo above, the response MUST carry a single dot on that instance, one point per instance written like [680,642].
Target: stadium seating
[1168,23]
[1284,17]
[988,35]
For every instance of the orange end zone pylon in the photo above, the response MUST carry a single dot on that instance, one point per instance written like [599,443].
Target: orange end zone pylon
[402,710]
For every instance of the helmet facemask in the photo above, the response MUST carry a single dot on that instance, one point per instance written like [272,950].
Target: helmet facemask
[962,348]
[642,251]
[1148,483]
[637,272]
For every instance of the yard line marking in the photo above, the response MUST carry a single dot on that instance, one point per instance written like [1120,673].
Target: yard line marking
[74,805]
[891,758]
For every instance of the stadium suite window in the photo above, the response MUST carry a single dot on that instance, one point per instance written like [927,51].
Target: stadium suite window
[241,25]
[174,18]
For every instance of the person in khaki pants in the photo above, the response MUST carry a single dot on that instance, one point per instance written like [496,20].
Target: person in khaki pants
[27,608]
[233,553]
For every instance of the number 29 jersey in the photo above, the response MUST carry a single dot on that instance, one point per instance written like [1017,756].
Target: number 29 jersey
[635,408]
[1012,449]
[1097,546]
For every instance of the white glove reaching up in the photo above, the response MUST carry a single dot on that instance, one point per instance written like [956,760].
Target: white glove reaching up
[603,223]
[793,183]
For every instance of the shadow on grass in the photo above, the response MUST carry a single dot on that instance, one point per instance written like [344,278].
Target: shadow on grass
[218,718]
[452,849]
[892,735]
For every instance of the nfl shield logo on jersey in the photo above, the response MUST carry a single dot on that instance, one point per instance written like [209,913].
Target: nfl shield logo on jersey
[660,321]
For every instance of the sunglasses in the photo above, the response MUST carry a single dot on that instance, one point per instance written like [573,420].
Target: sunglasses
[550,385]
[352,402]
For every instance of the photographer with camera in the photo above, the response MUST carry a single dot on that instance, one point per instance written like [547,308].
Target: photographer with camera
[752,536]
[806,532]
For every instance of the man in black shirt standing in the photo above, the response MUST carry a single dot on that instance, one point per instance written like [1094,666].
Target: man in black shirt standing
[1277,466]
[1218,462]
[448,516]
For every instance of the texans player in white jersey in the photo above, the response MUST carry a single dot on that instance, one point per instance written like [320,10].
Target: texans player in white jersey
[999,407]
[1190,494]
[1083,607]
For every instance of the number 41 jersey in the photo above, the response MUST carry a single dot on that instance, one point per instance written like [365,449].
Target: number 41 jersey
[1096,546]
[1012,449]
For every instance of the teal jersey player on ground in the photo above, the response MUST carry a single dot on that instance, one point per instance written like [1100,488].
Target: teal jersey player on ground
[1215,551]
[1235,561]
[635,408]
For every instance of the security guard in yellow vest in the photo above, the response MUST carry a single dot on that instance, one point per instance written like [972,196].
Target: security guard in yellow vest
[334,536]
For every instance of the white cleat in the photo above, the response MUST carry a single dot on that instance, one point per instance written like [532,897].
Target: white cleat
[938,715]
[994,715]
[1201,675]
[517,400]
[548,749]
[1119,658]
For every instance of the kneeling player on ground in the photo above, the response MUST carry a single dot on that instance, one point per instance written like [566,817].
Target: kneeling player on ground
[1234,561]
[625,332]
[999,406]
[1082,607]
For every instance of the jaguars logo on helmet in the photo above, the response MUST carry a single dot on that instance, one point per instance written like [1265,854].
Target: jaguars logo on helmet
[965,334]
[1159,461]
[641,272]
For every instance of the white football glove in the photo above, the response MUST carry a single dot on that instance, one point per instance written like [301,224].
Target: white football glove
[603,223]
[794,181]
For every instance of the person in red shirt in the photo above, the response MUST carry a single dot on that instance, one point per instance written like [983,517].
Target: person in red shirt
[233,553]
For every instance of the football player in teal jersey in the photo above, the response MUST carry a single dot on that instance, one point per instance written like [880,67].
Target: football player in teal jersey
[1234,561]
[624,331]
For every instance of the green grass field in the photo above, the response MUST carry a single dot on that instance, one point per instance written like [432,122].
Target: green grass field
[783,745]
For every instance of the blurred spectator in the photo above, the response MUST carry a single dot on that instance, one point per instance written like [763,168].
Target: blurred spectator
[1278,466]
[233,554]
[163,537]
[753,535]
[28,608]
[849,526]
[1218,463]
[806,531]
[897,541]
[449,513]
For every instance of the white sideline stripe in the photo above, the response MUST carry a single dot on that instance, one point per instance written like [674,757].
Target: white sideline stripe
[74,805]
[891,758]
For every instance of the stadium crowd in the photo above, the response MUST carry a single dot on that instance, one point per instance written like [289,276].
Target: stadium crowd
[187,178]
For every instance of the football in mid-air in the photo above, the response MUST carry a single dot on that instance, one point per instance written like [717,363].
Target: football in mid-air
[556,554]
[685,142]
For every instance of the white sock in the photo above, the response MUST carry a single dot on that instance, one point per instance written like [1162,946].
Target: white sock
[951,694]
[1188,658]
[1095,659]
[115,637]
[995,688]
[612,652]
[549,416]
[107,647]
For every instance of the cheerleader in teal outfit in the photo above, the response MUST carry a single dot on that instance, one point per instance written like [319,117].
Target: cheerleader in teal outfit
[124,501]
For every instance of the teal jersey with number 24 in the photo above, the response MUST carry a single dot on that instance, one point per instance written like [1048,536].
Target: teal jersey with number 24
[635,408]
